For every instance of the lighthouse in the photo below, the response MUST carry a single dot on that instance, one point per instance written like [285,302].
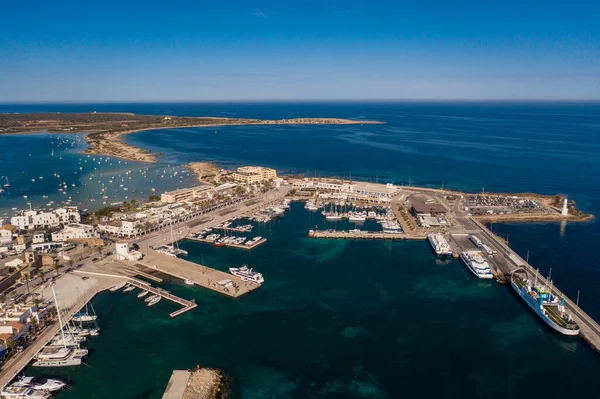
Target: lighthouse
[565,210]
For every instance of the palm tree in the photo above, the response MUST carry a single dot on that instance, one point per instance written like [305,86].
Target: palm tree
[56,267]
[71,262]
[27,277]
[99,250]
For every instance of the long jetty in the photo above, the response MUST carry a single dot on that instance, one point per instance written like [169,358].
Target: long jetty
[365,235]
[187,305]
[201,275]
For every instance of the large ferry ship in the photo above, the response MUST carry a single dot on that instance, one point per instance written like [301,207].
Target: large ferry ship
[544,304]
[439,244]
[477,264]
[247,274]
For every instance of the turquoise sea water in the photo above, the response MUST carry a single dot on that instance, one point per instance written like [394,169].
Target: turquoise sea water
[340,319]
[37,166]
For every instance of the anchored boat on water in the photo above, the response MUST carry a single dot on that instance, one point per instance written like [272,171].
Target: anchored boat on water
[540,299]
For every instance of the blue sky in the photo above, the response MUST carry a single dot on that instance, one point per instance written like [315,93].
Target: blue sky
[270,50]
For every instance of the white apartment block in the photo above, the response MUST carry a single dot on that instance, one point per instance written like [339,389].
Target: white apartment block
[186,194]
[75,231]
[254,174]
[121,228]
[34,219]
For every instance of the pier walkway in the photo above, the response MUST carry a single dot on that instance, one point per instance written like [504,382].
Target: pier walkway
[187,305]
[201,275]
[365,235]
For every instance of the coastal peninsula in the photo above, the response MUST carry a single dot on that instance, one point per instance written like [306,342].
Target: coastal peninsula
[104,131]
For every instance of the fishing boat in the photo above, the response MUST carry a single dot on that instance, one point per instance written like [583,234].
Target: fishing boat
[539,298]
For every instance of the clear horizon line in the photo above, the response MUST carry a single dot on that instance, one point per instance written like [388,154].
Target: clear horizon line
[283,100]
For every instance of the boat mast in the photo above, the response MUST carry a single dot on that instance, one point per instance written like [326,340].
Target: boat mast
[172,239]
[62,332]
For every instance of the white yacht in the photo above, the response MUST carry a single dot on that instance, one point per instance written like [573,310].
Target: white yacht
[67,339]
[84,317]
[118,287]
[188,282]
[142,294]
[40,384]
[357,217]
[439,244]
[171,250]
[129,288]
[247,274]
[154,300]
[59,356]
[10,392]
[477,264]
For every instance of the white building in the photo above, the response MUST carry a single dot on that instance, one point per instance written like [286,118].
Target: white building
[5,236]
[75,231]
[121,228]
[39,237]
[33,219]
[123,253]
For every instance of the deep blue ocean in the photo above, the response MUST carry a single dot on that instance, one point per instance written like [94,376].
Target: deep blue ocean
[381,320]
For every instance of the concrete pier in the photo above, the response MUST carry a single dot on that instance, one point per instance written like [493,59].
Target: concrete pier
[202,383]
[201,275]
[365,235]
[177,384]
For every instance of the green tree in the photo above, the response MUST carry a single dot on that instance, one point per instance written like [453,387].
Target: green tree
[27,277]
[99,249]
[154,198]
[56,267]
